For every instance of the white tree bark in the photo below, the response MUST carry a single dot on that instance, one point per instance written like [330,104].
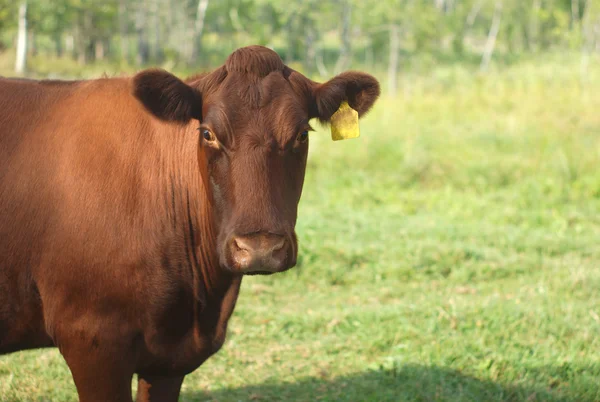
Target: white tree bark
[323,72]
[574,13]
[21,60]
[345,57]
[474,12]
[200,15]
[199,27]
[99,50]
[491,40]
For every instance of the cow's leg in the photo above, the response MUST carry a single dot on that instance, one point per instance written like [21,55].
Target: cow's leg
[100,374]
[154,388]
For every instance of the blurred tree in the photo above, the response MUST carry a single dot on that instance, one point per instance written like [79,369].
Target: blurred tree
[345,37]
[142,32]
[21,59]
[323,36]
[491,39]
[199,27]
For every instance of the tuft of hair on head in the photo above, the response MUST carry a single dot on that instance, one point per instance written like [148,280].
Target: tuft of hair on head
[254,60]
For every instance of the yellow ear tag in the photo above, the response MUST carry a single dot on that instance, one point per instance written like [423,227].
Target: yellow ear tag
[344,123]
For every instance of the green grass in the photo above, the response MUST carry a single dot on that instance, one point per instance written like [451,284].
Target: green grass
[451,253]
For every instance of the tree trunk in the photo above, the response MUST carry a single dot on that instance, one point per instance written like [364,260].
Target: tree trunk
[99,50]
[158,46]
[458,42]
[123,31]
[199,28]
[474,13]
[58,44]
[21,61]
[445,6]
[491,40]
[586,47]
[345,56]
[291,39]
[80,49]
[590,28]
[574,13]
[310,56]
[178,28]
[70,44]
[533,24]
[393,59]
[86,45]
[321,65]
[90,50]
[141,21]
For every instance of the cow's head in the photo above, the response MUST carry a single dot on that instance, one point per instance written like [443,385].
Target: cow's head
[254,115]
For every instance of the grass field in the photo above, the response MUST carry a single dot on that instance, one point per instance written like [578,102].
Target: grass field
[451,253]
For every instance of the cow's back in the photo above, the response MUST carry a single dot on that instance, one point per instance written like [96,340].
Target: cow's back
[28,155]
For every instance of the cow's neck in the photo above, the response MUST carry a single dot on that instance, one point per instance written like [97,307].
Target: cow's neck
[188,210]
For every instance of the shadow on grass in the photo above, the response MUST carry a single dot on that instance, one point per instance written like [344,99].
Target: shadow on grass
[420,383]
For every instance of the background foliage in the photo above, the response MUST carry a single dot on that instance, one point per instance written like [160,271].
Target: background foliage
[451,253]
[317,36]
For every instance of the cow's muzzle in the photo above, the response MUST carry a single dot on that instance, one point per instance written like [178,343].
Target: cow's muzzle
[259,253]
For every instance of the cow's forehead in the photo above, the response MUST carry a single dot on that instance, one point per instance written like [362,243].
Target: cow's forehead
[249,92]
[255,98]
[268,102]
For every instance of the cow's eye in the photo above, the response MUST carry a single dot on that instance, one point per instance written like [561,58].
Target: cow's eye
[303,136]
[207,135]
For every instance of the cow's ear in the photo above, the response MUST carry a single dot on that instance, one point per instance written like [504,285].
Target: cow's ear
[166,96]
[360,90]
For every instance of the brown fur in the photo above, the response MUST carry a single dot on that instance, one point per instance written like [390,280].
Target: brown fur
[118,219]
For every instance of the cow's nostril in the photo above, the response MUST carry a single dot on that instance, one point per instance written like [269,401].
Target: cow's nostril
[242,245]
[278,245]
[259,251]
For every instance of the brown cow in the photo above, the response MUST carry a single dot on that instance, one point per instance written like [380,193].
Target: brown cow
[130,208]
